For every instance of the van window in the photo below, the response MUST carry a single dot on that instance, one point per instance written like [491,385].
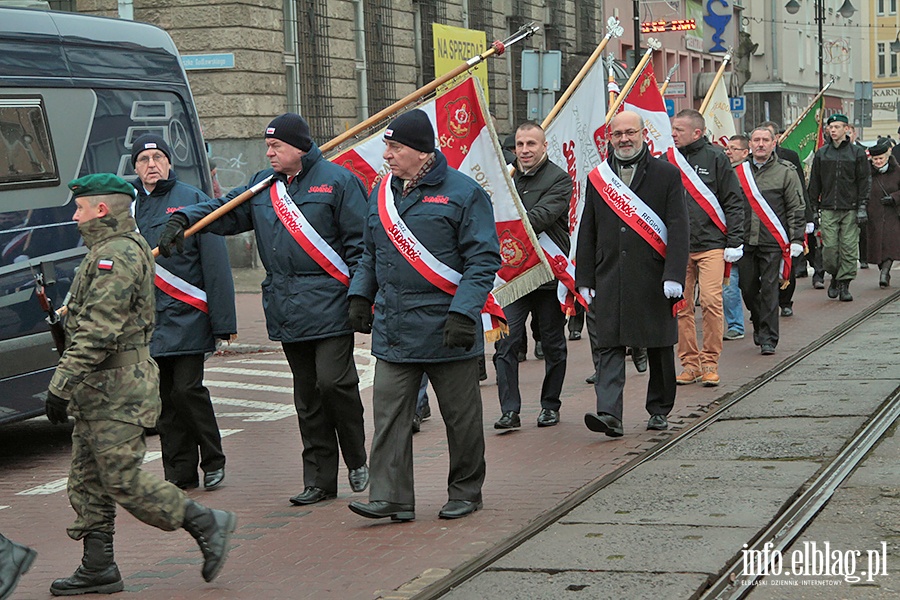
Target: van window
[26,150]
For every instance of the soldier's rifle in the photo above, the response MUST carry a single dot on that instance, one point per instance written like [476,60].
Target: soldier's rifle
[53,318]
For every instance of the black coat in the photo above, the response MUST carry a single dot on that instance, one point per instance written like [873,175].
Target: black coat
[625,271]
[883,226]
[809,213]
[839,178]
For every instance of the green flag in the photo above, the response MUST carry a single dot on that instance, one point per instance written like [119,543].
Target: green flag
[805,138]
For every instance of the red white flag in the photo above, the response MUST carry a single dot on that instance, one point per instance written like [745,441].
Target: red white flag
[719,121]
[644,99]
[465,135]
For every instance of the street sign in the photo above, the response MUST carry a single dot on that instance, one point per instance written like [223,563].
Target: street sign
[670,106]
[677,89]
[738,104]
[205,62]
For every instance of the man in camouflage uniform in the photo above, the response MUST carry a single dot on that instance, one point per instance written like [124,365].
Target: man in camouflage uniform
[107,381]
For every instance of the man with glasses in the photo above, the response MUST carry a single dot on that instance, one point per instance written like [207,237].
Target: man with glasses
[631,261]
[714,203]
[194,308]
[737,151]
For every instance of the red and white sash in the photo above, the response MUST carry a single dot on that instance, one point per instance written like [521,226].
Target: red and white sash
[766,215]
[426,264]
[701,193]
[306,235]
[698,190]
[178,288]
[629,207]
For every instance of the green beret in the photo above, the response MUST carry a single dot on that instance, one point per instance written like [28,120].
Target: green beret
[100,184]
[837,117]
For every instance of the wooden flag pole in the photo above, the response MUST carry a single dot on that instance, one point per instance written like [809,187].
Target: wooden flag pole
[796,123]
[497,48]
[665,85]
[719,74]
[652,45]
[613,29]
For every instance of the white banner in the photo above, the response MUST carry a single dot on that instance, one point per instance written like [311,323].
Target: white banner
[719,122]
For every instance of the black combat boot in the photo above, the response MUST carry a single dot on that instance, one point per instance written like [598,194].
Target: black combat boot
[846,296]
[212,529]
[98,573]
[14,561]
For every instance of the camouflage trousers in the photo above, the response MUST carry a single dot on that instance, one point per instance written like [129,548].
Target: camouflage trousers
[106,470]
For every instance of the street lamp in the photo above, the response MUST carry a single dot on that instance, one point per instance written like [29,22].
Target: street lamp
[846,10]
[895,45]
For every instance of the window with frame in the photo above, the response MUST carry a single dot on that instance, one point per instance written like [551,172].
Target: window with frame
[880,7]
[893,7]
[881,59]
[893,64]
[25,138]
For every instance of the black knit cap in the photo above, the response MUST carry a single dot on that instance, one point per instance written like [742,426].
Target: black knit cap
[149,141]
[882,146]
[291,129]
[412,129]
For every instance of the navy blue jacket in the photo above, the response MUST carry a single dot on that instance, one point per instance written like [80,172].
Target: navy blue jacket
[456,223]
[182,329]
[301,300]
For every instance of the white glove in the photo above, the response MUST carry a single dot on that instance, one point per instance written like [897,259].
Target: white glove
[796,249]
[810,227]
[672,289]
[734,254]
[588,294]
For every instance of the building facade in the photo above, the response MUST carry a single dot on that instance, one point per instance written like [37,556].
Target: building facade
[884,46]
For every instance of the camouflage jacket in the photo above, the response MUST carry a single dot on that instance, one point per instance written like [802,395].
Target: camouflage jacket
[111,310]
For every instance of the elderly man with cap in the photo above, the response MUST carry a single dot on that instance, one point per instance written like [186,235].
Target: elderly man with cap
[309,230]
[107,381]
[431,253]
[839,185]
[195,306]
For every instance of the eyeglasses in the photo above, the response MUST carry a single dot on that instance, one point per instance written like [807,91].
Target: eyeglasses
[628,133]
[146,158]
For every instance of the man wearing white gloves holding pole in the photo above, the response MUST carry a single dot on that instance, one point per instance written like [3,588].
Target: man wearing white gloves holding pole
[631,264]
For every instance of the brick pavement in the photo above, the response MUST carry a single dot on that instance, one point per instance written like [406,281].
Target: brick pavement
[325,551]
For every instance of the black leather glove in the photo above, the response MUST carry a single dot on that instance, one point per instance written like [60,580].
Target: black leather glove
[861,216]
[459,332]
[173,234]
[887,201]
[56,408]
[360,314]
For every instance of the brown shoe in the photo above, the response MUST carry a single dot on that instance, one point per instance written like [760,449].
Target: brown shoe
[710,376]
[688,376]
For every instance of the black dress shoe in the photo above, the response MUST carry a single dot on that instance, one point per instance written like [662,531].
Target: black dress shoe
[767,349]
[456,509]
[548,418]
[416,424]
[521,356]
[214,479]
[311,495]
[818,282]
[359,478]
[185,485]
[426,412]
[639,357]
[787,311]
[509,420]
[604,423]
[381,509]
[538,351]
[658,423]
[574,335]
[592,379]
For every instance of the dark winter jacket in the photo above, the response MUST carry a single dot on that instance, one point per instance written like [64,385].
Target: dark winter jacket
[780,186]
[714,169]
[883,225]
[545,192]
[301,300]
[452,216]
[839,179]
[182,329]
[624,270]
[809,213]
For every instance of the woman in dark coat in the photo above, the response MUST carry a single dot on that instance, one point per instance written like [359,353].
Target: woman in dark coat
[883,225]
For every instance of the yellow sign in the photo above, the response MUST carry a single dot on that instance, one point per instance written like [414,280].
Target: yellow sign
[455,45]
